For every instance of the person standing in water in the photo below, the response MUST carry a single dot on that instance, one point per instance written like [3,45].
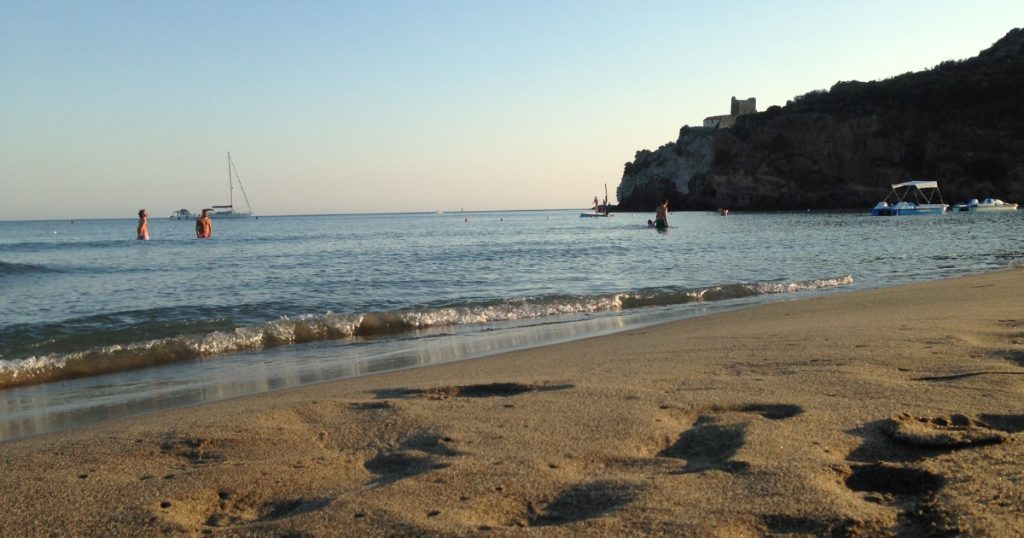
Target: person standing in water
[142,232]
[661,215]
[204,226]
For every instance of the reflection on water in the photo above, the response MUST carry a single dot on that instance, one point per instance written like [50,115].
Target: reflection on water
[38,409]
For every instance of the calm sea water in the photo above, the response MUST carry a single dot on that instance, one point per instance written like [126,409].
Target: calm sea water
[96,325]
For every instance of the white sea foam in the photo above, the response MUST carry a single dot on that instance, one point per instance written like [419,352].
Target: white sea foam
[792,287]
[30,366]
[332,326]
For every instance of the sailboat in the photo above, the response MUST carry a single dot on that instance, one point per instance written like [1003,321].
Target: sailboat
[228,211]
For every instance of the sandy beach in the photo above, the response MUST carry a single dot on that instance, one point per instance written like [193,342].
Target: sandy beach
[886,412]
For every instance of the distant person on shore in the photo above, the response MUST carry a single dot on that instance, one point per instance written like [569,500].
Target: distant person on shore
[597,205]
[142,232]
[661,215]
[204,226]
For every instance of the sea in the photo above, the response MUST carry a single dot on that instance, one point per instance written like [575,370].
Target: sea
[95,325]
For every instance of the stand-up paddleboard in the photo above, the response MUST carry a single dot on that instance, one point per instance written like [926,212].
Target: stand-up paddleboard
[598,208]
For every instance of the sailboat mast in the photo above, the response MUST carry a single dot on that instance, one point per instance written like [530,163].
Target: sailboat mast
[231,187]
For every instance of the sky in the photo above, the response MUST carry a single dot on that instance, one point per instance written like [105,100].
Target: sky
[339,106]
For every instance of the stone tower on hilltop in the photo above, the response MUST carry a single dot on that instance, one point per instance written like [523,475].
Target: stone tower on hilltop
[738,107]
[744,106]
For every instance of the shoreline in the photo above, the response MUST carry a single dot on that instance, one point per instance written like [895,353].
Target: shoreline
[875,412]
[142,377]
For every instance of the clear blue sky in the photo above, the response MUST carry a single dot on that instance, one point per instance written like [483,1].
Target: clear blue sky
[335,106]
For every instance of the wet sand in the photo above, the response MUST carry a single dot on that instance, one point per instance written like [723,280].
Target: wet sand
[884,412]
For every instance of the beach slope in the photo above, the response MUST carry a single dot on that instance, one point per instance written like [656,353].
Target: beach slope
[884,412]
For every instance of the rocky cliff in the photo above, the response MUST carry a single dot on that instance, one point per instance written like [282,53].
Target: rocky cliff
[961,123]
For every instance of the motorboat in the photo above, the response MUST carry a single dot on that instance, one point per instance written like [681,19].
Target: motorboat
[912,198]
[182,214]
[990,204]
[228,211]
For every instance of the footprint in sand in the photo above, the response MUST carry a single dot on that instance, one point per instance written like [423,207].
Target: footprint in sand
[784,524]
[228,509]
[489,390]
[772,411]
[408,450]
[906,438]
[909,490]
[325,421]
[421,453]
[953,431]
[583,501]
[371,406]
[893,480]
[194,450]
[1006,423]
[1006,343]
[231,513]
[711,445]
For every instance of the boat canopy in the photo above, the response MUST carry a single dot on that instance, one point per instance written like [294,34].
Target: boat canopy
[918,184]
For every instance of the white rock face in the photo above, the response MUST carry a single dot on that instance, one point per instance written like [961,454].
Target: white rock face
[676,163]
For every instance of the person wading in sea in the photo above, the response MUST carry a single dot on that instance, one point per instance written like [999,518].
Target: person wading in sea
[142,232]
[661,215]
[204,226]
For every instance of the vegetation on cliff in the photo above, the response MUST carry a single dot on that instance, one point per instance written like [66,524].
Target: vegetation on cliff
[961,123]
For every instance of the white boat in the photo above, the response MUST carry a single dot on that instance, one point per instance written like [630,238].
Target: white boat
[990,204]
[228,211]
[912,198]
[182,214]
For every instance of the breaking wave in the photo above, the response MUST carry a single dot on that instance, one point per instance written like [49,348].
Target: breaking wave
[333,326]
